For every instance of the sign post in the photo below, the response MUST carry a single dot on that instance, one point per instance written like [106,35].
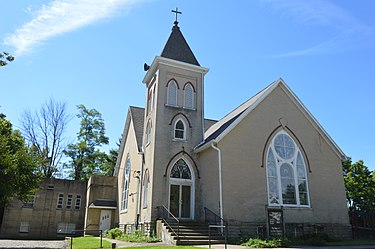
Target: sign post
[275,223]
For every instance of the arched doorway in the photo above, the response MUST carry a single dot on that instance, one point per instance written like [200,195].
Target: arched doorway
[181,190]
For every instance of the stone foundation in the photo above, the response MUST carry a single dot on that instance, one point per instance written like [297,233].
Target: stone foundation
[239,230]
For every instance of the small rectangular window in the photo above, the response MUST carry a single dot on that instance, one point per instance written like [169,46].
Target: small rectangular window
[69,201]
[60,200]
[78,202]
[24,227]
[50,187]
[66,228]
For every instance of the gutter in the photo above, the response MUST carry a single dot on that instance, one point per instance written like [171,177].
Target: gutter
[214,146]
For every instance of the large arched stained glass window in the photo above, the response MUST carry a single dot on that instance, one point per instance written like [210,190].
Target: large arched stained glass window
[286,173]
[125,186]
[181,170]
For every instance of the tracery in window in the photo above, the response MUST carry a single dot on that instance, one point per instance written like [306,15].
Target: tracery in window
[125,187]
[180,170]
[189,96]
[286,173]
[179,130]
[172,93]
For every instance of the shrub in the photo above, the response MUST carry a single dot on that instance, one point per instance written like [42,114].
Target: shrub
[138,236]
[261,243]
[114,233]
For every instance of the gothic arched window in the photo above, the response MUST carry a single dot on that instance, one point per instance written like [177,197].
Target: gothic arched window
[179,130]
[125,186]
[189,96]
[145,189]
[180,170]
[286,173]
[172,93]
[148,132]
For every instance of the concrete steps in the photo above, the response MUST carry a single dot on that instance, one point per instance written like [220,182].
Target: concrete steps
[193,233]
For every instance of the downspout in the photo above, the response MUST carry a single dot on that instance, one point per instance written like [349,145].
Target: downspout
[214,146]
[140,182]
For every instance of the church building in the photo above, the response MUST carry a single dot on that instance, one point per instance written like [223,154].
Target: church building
[266,168]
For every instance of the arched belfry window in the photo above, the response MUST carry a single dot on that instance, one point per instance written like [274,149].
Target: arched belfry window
[172,93]
[189,96]
[180,170]
[180,130]
[286,173]
[125,186]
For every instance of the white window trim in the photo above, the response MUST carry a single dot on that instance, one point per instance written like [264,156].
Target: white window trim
[183,182]
[78,202]
[176,94]
[148,133]
[192,107]
[184,131]
[145,190]
[280,161]
[125,191]
[58,201]
[69,201]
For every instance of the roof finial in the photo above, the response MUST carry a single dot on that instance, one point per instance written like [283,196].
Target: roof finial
[176,12]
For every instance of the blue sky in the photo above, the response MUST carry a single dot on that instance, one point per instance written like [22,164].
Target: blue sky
[92,52]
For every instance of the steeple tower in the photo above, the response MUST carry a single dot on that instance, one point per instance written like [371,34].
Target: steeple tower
[177,48]
[173,123]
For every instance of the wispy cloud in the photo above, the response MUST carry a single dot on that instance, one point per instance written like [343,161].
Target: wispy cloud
[61,16]
[324,14]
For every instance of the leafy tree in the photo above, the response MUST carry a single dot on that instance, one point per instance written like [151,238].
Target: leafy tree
[360,186]
[5,58]
[44,130]
[85,157]
[17,165]
[109,168]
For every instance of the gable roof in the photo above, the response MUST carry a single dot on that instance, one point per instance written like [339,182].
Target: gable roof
[177,48]
[220,129]
[135,114]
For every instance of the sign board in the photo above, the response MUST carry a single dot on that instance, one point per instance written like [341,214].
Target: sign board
[275,223]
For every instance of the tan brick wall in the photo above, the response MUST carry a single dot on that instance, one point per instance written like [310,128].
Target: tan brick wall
[44,216]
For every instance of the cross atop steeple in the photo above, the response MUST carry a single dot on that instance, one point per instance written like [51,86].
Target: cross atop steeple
[176,12]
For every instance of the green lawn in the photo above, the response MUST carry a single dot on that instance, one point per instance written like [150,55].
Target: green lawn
[89,243]
[94,243]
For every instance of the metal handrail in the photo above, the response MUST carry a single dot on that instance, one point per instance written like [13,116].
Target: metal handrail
[165,219]
[223,224]
[209,234]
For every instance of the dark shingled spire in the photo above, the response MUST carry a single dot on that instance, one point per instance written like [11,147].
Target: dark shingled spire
[177,48]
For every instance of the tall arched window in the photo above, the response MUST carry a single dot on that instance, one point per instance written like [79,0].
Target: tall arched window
[150,101]
[148,132]
[179,130]
[189,96]
[145,189]
[125,186]
[286,173]
[172,93]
